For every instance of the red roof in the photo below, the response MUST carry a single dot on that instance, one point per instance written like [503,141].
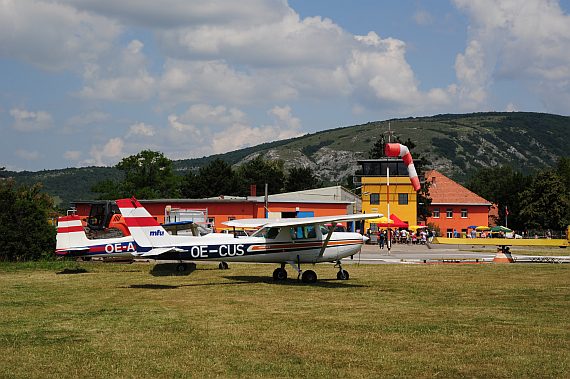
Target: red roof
[445,191]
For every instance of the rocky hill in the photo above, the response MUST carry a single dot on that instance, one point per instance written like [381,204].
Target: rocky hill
[457,145]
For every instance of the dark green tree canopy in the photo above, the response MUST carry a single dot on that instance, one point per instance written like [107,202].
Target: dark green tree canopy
[147,175]
[501,186]
[544,204]
[25,232]
[259,172]
[216,179]
[301,178]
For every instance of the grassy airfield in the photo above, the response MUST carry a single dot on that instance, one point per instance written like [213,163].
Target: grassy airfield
[67,320]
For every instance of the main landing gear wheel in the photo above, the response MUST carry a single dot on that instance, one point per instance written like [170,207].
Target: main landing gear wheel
[223,266]
[279,274]
[181,267]
[309,276]
[342,275]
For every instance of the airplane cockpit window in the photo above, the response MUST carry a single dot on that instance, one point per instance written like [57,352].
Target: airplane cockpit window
[269,233]
[303,232]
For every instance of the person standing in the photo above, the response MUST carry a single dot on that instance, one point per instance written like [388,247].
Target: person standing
[381,238]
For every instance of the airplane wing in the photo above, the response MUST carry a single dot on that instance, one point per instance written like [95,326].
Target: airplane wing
[277,222]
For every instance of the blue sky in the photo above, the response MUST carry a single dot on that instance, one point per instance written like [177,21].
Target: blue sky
[89,82]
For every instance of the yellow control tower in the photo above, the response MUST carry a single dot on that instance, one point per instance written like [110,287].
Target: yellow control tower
[373,183]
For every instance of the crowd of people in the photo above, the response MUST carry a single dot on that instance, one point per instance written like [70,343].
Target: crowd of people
[404,236]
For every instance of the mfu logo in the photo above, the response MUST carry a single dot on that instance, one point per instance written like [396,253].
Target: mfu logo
[156,233]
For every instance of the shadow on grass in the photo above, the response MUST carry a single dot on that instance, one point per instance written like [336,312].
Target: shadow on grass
[323,283]
[171,269]
[153,286]
[75,270]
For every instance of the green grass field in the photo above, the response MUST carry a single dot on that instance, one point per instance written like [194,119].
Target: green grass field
[68,320]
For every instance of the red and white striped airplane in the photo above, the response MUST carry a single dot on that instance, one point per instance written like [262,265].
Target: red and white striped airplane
[290,241]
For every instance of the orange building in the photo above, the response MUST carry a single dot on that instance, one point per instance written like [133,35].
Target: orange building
[454,207]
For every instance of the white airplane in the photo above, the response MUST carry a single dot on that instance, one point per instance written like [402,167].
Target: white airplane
[285,241]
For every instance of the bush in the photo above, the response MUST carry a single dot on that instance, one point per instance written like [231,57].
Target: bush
[25,233]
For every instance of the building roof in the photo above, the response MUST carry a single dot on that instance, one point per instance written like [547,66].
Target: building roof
[445,191]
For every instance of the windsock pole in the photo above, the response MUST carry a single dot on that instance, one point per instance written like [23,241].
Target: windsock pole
[389,241]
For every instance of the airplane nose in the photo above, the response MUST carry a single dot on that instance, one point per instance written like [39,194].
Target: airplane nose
[364,239]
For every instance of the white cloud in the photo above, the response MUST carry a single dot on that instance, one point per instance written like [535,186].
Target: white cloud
[208,115]
[72,155]
[526,40]
[107,155]
[175,124]
[121,75]
[239,136]
[53,36]
[140,129]
[28,155]
[25,121]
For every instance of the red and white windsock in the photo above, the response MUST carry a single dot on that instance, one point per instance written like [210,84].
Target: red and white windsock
[399,150]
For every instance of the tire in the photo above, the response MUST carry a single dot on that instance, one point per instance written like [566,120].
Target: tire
[182,267]
[309,276]
[342,275]
[223,266]
[279,274]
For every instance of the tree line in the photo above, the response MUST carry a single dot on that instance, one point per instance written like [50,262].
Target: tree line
[536,201]
[149,175]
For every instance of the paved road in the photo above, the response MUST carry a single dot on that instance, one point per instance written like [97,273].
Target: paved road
[417,254]
[439,253]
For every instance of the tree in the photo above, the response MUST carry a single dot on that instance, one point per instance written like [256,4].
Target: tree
[218,178]
[301,178]
[502,186]
[563,172]
[259,172]
[378,149]
[545,205]
[147,175]
[25,233]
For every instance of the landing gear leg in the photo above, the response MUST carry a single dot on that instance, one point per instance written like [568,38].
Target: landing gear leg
[223,266]
[342,274]
[308,276]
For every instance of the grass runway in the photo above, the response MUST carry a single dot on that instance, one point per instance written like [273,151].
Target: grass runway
[69,320]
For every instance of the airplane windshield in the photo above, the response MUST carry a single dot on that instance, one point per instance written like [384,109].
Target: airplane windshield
[269,233]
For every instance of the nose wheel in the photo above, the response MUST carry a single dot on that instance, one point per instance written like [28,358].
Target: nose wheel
[341,274]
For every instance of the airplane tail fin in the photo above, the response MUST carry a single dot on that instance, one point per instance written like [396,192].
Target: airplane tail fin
[145,230]
[71,236]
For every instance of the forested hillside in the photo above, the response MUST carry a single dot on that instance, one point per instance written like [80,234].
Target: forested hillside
[455,145]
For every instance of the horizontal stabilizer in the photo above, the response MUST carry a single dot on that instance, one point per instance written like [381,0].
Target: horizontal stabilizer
[162,250]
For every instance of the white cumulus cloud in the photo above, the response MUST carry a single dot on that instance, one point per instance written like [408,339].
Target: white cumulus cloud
[140,129]
[25,121]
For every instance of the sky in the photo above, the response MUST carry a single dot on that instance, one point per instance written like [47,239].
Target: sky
[89,82]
